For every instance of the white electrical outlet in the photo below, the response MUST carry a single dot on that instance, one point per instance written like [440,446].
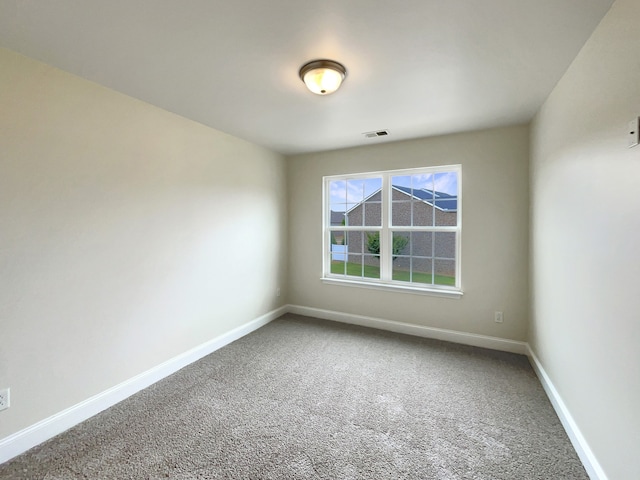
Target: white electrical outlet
[634,132]
[4,399]
[278,292]
[498,317]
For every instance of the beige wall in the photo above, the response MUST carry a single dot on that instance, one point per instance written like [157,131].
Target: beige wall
[494,231]
[585,187]
[119,224]
[128,235]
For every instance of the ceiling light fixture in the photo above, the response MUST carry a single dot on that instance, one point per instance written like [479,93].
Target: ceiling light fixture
[323,77]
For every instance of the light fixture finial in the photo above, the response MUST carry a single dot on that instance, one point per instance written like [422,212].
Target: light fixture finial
[323,77]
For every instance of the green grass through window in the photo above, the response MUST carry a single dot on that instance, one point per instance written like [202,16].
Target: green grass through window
[371,271]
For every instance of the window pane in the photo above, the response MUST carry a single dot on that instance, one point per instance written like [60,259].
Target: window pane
[342,238]
[355,191]
[376,197]
[337,191]
[422,213]
[336,216]
[446,182]
[401,251]
[371,243]
[445,272]
[402,269]
[401,244]
[337,238]
[373,213]
[422,182]
[401,181]
[353,214]
[354,242]
[401,194]
[338,252]
[363,254]
[421,270]
[371,266]
[371,186]
[338,267]
[445,246]
[354,265]
[447,212]
[446,192]
[422,244]
[401,213]
[360,189]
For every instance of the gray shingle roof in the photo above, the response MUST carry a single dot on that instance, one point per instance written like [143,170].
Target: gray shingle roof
[444,201]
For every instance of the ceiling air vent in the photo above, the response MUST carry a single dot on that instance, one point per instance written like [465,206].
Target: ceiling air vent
[377,133]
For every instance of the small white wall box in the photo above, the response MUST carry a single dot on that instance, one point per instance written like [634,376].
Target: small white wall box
[634,132]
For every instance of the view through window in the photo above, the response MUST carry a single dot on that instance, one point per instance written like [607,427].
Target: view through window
[395,227]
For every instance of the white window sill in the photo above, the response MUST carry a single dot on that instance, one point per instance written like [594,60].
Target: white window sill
[436,292]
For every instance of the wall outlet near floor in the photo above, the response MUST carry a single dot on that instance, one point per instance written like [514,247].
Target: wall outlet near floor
[278,292]
[498,317]
[4,399]
[634,132]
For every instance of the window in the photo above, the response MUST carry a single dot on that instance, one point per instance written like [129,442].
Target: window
[397,229]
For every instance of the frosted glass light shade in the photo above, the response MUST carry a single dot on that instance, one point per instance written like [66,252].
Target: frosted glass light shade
[323,77]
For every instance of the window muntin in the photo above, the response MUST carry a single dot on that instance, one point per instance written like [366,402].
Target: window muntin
[395,227]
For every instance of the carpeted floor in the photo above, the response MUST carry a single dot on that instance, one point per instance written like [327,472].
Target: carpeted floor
[304,398]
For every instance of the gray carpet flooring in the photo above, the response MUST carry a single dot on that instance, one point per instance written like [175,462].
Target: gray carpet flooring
[310,399]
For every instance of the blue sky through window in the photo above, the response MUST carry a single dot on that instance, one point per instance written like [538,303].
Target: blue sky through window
[446,182]
[346,194]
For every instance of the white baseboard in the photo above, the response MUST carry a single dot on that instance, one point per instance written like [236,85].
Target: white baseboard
[494,343]
[23,440]
[589,461]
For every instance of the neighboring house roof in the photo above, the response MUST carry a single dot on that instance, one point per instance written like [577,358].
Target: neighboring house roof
[337,218]
[443,201]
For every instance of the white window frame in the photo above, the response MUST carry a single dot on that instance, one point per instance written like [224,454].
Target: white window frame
[385,282]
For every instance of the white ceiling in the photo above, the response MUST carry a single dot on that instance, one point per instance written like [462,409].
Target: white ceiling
[415,67]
